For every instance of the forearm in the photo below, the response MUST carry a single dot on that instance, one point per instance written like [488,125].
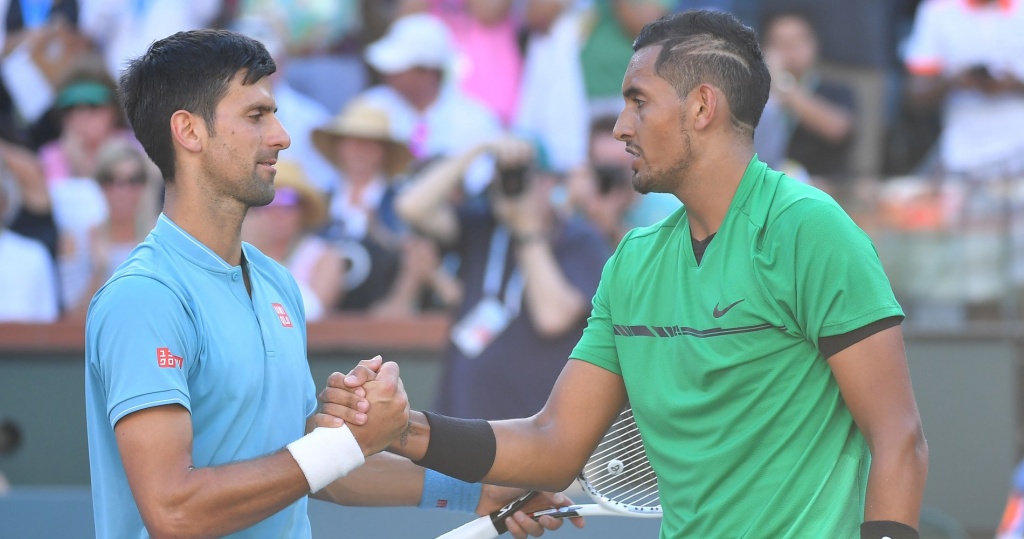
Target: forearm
[424,204]
[489,12]
[29,174]
[821,117]
[896,481]
[216,501]
[384,480]
[555,305]
[926,92]
[522,459]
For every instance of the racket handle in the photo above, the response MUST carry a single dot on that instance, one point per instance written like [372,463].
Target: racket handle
[492,525]
[481,528]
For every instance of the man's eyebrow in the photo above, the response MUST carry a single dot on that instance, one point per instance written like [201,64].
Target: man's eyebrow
[263,107]
[631,92]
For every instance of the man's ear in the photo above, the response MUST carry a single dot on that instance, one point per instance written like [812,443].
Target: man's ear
[707,106]
[188,131]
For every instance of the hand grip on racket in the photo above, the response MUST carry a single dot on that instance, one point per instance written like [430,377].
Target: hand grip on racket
[492,525]
[617,476]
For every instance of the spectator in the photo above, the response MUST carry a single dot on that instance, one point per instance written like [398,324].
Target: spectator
[608,48]
[387,268]
[127,179]
[528,275]
[484,34]
[27,283]
[970,57]
[283,231]
[320,40]
[298,113]
[808,120]
[435,117]
[40,43]
[89,118]
[552,98]
[32,214]
[603,191]
[123,29]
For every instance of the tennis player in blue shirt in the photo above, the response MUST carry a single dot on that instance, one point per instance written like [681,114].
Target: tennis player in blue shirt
[198,391]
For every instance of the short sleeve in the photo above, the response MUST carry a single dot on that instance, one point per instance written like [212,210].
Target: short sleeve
[823,272]
[923,53]
[141,341]
[597,345]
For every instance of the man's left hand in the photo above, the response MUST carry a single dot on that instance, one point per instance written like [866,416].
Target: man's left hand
[520,525]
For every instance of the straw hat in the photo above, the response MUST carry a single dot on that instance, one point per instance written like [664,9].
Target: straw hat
[361,120]
[314,204]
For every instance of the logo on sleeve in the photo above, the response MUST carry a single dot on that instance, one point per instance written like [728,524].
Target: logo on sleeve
[166,360]
[282,315]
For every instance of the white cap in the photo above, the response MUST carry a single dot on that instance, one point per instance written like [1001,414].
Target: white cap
[261,29]
[418,40]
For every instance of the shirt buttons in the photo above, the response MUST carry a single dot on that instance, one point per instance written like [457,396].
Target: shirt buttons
[234,277]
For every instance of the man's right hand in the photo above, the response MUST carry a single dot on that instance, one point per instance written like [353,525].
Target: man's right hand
[388,412]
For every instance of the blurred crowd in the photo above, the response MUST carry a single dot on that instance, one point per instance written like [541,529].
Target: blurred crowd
[435,142]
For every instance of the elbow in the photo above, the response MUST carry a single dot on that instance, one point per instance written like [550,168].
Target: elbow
[173,522]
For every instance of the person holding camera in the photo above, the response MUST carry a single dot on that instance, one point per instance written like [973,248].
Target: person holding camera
[528,274]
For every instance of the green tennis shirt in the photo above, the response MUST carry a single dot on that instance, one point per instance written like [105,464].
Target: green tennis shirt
[740,414]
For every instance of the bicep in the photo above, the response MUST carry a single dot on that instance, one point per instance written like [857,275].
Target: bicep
[874,380]
[156,450]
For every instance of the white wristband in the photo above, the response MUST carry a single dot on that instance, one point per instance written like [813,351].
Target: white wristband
[326,454]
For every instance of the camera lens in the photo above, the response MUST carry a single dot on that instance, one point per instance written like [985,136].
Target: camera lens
[513,181]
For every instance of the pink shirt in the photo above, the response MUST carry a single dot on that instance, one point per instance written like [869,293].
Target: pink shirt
[489,64]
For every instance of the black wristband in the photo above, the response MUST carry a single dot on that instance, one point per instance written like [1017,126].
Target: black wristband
[459,448]
[883,529]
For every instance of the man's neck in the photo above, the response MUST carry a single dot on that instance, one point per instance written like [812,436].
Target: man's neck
[216,227]
[710,188]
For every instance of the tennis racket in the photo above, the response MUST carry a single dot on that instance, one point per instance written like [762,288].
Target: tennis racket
[617,476]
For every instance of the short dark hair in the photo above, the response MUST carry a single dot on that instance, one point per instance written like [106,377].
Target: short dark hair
[187,71]
[711,46]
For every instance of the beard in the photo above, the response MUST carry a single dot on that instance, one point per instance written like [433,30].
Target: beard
[666,180]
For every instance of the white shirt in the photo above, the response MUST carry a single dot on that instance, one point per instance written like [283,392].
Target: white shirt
[949,36]
[124,29]
[453,124]
[28,287]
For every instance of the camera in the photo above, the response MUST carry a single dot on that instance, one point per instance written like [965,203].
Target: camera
[609,177]
[512,180]
[10,436]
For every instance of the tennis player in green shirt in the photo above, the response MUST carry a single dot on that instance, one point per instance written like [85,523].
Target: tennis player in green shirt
[754,331]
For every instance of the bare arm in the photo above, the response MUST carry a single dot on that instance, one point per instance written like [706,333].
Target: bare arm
[581,408]
[326,278]
[633,15]
[177,499]
[875,383]
[541,14]
[425,203]
[831,122]
[555,305]
[489,12]
[27,171]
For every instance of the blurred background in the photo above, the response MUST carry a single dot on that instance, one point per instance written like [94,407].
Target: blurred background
[501,112]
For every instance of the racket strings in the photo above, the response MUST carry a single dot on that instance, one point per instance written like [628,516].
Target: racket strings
[619,470]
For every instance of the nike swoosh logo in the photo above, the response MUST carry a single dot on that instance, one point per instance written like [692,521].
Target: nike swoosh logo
[718,313]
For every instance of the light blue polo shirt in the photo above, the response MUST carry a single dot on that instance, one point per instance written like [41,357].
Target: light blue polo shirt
[174,325]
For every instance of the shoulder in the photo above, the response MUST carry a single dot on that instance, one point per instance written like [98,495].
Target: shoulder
[655,232]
